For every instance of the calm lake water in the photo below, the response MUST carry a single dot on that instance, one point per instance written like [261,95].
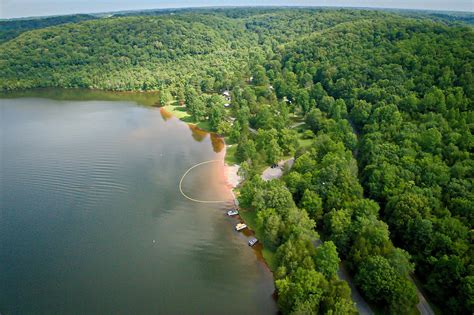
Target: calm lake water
[92,221]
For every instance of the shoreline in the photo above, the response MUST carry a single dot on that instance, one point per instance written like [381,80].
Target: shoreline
[231,168]
[233,180]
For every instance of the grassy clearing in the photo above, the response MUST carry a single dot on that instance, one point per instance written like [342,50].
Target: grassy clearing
[230,155]
[250,218]
[301,128]
[270,259]
[204,125]
[260,167]
[177,111]
[180,112]
[305,143]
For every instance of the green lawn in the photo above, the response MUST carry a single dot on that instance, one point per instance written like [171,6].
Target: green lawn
[270,259]
[304,143]
[204,125]
[230,155]
[301,128]
[177,111]
[250,218]
[260,167]
[181,113]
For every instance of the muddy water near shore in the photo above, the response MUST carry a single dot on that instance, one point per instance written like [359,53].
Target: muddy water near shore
[92,221]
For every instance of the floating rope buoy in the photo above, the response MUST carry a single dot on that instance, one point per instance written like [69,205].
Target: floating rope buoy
[186,173]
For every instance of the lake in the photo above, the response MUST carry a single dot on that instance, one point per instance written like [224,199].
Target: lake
[92,220]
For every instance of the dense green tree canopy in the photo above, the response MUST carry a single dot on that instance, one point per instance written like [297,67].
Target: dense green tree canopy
[376,107]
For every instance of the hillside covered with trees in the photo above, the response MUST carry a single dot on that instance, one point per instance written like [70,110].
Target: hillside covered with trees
[376,108]
[209,49]
[12,28]
[407,89]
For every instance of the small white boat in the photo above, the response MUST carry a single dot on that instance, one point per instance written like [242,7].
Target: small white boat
[253,241]
[232,212]
[240,226]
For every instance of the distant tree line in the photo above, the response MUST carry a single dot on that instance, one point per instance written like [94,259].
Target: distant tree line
[12,28]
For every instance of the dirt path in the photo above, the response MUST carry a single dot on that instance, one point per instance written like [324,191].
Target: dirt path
[297,124]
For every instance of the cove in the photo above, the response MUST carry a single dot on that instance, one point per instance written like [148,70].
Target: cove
[92,220]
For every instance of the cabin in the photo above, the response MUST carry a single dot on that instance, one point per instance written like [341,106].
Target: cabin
[227,96]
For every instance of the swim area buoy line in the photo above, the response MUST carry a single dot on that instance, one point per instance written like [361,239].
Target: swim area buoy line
[187,172]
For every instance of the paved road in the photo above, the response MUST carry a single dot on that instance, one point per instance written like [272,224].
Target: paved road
[362,307]
[423,306]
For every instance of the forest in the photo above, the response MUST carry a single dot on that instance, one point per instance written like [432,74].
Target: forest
[12,28]
[376,108]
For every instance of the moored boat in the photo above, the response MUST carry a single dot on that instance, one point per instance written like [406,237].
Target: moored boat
[240,226]
[253,241]
[232,212]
